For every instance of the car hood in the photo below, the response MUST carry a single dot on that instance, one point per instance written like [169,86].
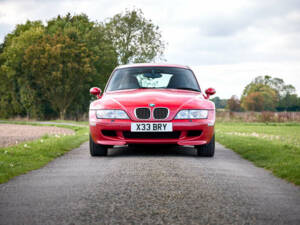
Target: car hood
[173,99]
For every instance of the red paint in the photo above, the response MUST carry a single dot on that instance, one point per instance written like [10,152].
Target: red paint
[96,91]
[174,99]
[209,92]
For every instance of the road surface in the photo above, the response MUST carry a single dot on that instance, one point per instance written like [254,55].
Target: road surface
[149,186]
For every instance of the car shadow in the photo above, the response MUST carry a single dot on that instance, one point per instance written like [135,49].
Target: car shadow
[152,151]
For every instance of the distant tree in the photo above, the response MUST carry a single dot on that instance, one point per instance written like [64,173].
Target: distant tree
[290,102]
[273,90]
[219,103]
[277,84]
[269,96]
[254,102]
[135,38]
[233,104]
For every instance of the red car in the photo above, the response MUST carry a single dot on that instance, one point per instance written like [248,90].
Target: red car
[152,104]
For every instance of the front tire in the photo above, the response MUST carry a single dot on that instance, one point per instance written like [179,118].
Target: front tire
[207,150]
[97,150]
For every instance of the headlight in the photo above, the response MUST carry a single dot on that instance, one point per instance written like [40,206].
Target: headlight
[111,114]
[192,114]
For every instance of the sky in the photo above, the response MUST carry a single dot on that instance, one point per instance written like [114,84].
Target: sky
[226,43]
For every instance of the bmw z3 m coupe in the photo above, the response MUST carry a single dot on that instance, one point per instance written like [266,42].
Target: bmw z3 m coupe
[152,104]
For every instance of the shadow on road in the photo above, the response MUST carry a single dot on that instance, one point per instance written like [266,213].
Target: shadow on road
[152,151]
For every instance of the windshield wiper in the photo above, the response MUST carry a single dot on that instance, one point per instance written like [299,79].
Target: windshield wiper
[187,88]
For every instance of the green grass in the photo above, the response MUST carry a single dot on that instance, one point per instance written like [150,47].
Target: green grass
[27,156]
[274,146]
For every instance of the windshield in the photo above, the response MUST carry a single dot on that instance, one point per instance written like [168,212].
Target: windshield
[153,77]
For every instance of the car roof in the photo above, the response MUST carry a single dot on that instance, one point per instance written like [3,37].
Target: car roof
[152,64]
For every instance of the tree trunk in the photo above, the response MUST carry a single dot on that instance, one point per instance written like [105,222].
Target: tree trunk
[62,114]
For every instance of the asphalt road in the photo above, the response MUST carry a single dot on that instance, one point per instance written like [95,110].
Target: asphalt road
[149,186]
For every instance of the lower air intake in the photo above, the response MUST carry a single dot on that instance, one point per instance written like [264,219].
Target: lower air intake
[151,135]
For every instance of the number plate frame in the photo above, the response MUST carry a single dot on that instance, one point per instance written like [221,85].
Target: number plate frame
[151,127]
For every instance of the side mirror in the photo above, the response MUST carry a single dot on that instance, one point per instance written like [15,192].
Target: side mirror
[209,92]
[95,91]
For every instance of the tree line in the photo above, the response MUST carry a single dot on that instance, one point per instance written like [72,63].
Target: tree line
[264,93]
[47,69]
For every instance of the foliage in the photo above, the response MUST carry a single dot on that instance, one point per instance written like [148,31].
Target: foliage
[135,38]
[233,104]
[67,68]
[267,94]
[47,70]
[16,92]
[220,103]
[254,102]
[289,102]
[275,147]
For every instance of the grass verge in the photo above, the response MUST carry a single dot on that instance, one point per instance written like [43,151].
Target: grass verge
[27,156]
[273,146]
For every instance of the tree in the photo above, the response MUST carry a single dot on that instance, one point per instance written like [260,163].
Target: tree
[290,102]
[102,48]
[220,103]
[268,97]
[254,102]
[47,70]
[16,92]
[234,104]
[135,38]
[19,30]
[61,67]
[272,90]
[80,29]
[33,56]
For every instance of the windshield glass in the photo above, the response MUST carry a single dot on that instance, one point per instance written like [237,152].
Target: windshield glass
[153,77]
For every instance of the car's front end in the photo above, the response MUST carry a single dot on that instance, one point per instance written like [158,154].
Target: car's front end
[109,129]
[152,116]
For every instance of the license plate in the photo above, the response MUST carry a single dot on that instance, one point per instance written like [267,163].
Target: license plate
[151,127]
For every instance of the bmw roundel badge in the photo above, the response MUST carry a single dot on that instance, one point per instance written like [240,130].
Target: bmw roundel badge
[151,104]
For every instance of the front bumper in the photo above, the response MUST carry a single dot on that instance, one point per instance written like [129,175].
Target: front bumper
[99,128]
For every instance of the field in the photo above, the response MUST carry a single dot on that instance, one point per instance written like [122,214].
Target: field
[274,146]
[276,117]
